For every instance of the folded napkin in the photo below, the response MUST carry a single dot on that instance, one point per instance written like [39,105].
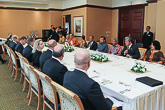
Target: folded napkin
[149,81]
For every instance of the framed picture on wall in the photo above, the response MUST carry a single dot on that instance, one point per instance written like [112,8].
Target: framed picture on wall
[78,25]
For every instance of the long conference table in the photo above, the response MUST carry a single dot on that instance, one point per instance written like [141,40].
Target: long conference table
[115,76]
[117,80]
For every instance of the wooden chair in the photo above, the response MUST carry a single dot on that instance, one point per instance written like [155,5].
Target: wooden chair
[109,45]
[21,63]
[87,42]
[4,51]
[164,54]
[122,47]
[15,66]
[35,86]
[9,61]
[68,100]
[26,76]
[49,91]
[142,52]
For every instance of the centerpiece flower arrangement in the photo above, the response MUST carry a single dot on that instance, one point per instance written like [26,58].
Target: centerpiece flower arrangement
[99,57]
[46,44]
[68,49]
[139,68]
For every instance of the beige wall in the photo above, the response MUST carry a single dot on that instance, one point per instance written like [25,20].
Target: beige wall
[77,12]
[98,22]
[160,23]
[115,22]
[20,22]
[150,17]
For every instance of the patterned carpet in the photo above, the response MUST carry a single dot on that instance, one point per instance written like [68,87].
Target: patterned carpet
[11,95]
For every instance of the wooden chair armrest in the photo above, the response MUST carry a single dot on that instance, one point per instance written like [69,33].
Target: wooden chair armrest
[114,108]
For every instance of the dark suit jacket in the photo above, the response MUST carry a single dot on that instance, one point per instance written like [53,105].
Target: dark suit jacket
[12,45]
[36,58]
[87,89]
[55,36]
[93,46]
[27,53]
[44,57]
[50,32]
[19,48]
[55,70]
[8,42]
[147,40]
[133,51]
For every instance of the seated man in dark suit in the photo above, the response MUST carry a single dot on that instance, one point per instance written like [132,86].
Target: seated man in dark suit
[87,89]
[53,67]
[27,51]
[147,38]
[130,50]
[92,45]
[47,54]
[14,43]
[19,47]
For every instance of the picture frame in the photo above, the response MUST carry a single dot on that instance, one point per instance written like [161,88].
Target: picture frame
[78,25]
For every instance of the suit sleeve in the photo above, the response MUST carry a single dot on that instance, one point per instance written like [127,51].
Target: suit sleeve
[122,52]
[20,50]
[62,73]
[106,49]
[137,53]
[95,46]
[151,38]
[143,38]
[97,99]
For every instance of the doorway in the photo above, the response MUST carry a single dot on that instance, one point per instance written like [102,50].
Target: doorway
[131,23]
[67,23]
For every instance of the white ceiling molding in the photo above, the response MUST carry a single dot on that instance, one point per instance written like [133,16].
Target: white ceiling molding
[64,4]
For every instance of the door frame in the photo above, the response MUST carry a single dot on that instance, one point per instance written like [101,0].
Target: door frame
[129,8]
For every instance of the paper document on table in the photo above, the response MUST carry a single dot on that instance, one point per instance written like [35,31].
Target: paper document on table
[116,103]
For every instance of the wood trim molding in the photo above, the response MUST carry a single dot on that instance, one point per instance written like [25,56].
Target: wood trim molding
[77,7]
[151,1]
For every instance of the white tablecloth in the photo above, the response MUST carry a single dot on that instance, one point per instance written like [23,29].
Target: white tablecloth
[140,96]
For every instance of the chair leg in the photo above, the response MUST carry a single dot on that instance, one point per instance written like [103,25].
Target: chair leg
[29,91]
[11,66]
[21,77]
[39,103]
[31,97]
[13,73]
[16,74]
[24,85]
[44,105]
[8,62]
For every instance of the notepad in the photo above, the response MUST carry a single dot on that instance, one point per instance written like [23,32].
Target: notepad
[149,81]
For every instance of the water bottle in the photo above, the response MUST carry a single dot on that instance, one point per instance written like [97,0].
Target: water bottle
[66,43]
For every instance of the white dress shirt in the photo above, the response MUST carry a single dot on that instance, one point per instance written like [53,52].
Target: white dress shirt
[81,70]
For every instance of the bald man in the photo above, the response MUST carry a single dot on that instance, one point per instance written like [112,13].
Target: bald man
[53,67]
[47,54]
[87,89]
